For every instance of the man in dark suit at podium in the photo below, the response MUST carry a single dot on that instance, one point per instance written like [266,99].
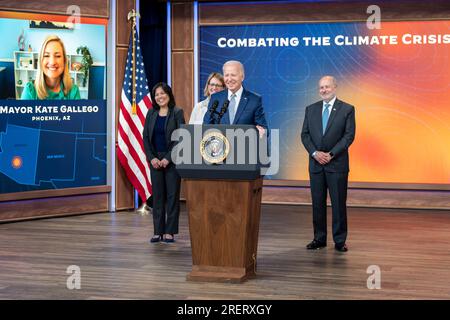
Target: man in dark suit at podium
[327,133]
[236,105]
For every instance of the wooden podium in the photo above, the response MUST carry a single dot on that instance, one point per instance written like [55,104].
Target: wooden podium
[224,205]
[223,225]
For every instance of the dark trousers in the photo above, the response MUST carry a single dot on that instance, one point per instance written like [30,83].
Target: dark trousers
[166,199]
[336,183]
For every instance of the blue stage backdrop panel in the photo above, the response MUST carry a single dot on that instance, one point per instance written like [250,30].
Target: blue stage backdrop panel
[397,77]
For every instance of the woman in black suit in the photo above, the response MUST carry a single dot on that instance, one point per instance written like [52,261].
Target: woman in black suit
[160,122]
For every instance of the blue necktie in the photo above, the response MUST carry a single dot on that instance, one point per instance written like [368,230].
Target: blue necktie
[232,107]
[325,116]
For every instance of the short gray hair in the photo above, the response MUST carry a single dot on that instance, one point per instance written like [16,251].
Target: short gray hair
[240,65]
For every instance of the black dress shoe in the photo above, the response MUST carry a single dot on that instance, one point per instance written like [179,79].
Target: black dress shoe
[169,240]
[313,245]
[341,247]
[156,238]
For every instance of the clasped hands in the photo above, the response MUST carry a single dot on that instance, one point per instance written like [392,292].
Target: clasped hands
[322,157]
[159,164]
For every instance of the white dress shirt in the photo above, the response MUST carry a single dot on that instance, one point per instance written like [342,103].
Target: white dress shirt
[199,112]
[237,98]
[330,108]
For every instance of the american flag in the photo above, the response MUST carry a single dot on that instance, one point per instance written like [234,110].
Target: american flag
[130,146]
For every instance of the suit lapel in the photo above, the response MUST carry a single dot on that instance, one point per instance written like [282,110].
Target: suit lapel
[169,114]
[317,117]
[153,118]
[242,104]
[334,110]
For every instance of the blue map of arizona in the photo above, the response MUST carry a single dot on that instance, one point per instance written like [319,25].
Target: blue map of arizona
[18,155]
[41,155]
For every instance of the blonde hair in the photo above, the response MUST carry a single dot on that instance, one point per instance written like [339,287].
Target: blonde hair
[39,84]
[216,75]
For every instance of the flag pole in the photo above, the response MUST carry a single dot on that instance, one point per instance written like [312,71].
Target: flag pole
[132,15]
[143,209]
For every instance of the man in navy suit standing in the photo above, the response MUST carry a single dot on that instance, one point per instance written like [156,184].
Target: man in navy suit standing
[236,105]
[327,133]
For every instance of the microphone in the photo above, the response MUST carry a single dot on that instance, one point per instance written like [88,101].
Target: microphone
[223,109]
[213,109]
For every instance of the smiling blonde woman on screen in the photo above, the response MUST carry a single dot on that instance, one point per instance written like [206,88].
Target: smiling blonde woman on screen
[53,80]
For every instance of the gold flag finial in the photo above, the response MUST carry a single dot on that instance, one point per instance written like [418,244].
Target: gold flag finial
[133,14]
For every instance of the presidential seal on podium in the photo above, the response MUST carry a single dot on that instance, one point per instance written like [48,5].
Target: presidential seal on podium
[214,147]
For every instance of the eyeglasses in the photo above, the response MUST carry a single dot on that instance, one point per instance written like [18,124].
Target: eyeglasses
[215,85]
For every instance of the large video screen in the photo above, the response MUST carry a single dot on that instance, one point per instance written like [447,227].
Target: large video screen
[397,77]
[52,102]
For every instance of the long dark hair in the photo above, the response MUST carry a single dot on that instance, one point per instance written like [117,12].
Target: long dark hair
[168,90]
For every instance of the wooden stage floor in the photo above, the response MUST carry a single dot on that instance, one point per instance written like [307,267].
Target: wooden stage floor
[411,248]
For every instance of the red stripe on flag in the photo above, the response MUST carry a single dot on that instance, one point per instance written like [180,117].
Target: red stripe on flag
[139,111]
[130,174]
[134,154]
[148,101]
[133,128]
